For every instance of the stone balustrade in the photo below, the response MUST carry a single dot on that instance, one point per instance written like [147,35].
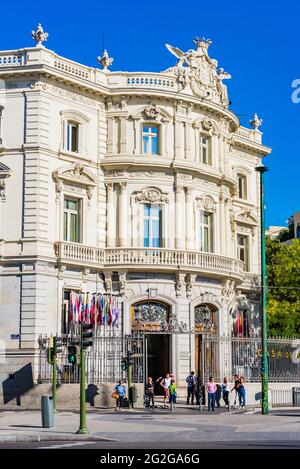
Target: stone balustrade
[251,281]
[12,58]
[165,259]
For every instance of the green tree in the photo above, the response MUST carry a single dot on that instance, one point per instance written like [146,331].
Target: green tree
[283,281]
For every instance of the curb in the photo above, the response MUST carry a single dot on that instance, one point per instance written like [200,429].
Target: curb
[54,437]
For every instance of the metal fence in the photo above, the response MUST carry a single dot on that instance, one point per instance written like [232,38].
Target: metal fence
[102,361]
[217,356]
[229,355]
[282,397]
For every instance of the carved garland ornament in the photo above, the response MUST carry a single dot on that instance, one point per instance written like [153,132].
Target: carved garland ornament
[151,195]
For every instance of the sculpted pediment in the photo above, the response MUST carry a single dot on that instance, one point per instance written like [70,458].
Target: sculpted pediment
[76,173]
[246,216]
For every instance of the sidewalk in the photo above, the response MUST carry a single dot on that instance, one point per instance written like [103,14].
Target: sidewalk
[153,425]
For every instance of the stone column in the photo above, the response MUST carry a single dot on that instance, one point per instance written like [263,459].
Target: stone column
[123,219]
[222,225]
[189,225]
[110,220]
[221,160]
[178,139]
[179,218]
[137,135]
[227,227]
[187,135]
[123,134]
[111,135]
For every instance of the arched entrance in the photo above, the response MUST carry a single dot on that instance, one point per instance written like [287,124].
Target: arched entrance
[147,317]
[206,353]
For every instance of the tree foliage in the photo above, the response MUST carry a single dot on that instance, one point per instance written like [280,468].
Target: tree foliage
[283,281]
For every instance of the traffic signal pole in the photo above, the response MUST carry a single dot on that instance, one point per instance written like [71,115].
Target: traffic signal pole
[54,381]
[263,299]
[85,334]
[82,426]
[129,370]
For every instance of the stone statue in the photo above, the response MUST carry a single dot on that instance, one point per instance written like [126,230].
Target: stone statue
[196,69]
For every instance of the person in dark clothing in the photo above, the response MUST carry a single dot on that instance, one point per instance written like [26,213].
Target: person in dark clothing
[218,395]
[235,388]
[198,390]
[191,381]
[150,392]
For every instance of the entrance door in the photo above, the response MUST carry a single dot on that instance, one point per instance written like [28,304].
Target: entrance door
[158,357]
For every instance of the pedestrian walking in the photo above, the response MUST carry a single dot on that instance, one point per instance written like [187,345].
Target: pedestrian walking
[120,392]
[165,383]
[225,391]
[211,388]
[242,392]
[172,394]
[191,383]
[235,388]
[150,393]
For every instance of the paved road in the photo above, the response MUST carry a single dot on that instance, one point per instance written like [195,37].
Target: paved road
[270,444]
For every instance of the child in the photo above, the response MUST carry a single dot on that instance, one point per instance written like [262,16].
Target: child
[172,394]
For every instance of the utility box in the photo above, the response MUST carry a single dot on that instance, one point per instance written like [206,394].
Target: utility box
[133,394]
[296,397]
[47,411]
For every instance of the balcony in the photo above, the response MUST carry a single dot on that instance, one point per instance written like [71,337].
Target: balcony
[251,282]
[168,260]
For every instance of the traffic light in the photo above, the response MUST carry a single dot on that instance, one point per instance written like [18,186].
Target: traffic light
[57,345]
[86,333]
[72,354]
[130,358]
[124,365]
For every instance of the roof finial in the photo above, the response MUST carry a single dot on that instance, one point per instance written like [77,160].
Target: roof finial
[39,36]
[255,122]
[105,61]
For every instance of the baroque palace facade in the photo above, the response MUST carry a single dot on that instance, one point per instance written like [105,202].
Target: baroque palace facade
[142,185]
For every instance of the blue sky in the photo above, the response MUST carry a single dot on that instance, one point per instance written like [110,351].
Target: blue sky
[257,42]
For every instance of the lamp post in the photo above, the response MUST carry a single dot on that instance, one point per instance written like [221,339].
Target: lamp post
[263,298]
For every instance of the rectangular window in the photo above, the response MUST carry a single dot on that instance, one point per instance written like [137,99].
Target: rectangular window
[242,186]
[150,140]
[71,220]
[206,237]
[204,153]
[71,140]
[243,250]
[152,226]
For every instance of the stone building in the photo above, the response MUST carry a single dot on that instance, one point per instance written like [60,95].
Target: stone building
[138,184]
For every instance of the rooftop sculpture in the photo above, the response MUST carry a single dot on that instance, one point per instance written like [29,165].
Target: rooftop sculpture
[196,69]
